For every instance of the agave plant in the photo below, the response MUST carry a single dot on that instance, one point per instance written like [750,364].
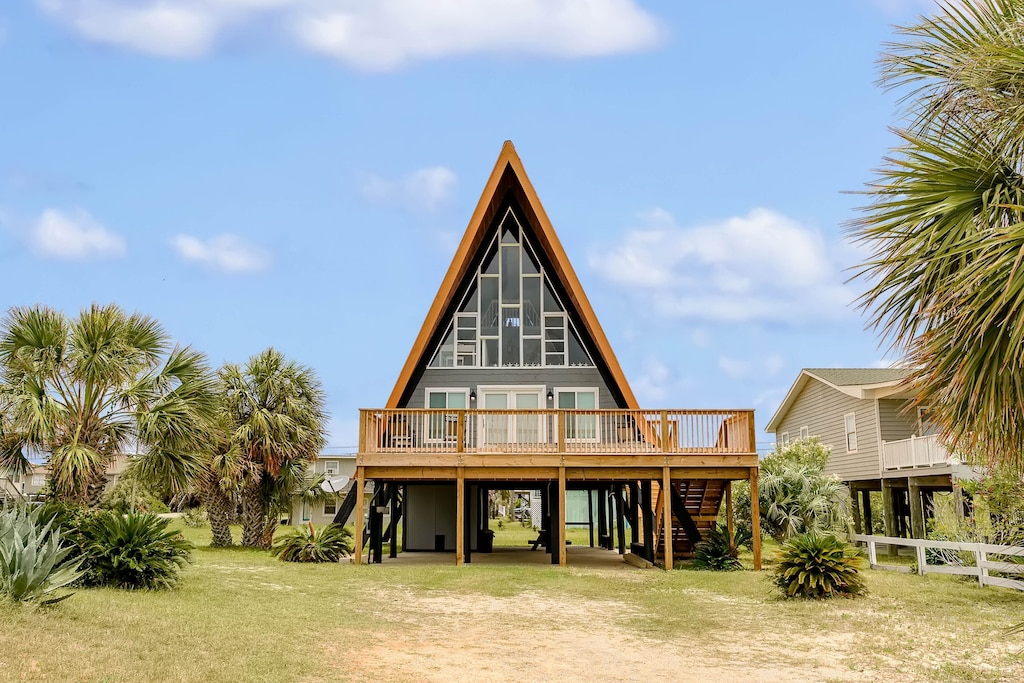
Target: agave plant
[818,566]
[717,551]
[306,544]
[132,551]
[33,560]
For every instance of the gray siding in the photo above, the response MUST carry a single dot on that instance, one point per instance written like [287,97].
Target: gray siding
[822,409]
[894,425]
[551,378]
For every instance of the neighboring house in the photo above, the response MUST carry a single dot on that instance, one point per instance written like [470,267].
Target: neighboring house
[32,486]
[325,511]
[512,384]
[880,441]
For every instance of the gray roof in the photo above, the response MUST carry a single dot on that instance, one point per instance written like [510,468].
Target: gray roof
[842,377]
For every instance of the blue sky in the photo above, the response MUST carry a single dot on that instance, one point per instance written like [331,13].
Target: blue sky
[297,173]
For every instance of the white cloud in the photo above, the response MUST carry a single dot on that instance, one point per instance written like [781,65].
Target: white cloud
[733,367]
[654,383]
[226,253]
[74,236]
[371,35]
[759,267]
[426,188]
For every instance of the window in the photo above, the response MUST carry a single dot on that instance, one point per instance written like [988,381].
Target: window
[38,479]
[510,316]
[805,433]
[579,427]
[784,439]
[330,468]
[305,511]
[925,422]
[331,506]
[445,426]
[850,421]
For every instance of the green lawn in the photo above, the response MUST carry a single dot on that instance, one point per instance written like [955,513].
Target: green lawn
[240,615]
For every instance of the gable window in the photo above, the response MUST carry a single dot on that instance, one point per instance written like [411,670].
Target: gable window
[331,506]
[784,439]
[805,433]
[579,427]
[850,422]
[510,316]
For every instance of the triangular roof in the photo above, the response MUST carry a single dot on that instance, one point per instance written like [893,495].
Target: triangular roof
[854,382]
[509,174]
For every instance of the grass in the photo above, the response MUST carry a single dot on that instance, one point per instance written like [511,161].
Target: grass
[243,615]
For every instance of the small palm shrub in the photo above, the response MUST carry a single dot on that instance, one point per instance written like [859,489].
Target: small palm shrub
[194,517]
[818,566]
[715,552]
[306,544]
[132,551]
[34,563]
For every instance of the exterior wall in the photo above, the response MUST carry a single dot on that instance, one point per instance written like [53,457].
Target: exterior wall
[430,511]
[822,409]
[893,424]
[551,378]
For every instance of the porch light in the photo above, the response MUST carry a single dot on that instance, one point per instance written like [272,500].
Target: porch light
[551,395]
[472,396]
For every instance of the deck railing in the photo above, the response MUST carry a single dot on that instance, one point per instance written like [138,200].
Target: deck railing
[917,451]
[620,432]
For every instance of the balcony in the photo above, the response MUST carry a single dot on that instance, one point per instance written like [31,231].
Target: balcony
[488,433]
[915,452]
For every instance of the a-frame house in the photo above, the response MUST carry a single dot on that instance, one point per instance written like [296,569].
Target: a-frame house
[512,384]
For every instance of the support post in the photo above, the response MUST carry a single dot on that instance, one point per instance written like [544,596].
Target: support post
[869,526]
[603,533]
[634,511]
[666,511]
[620,519]
[916,502]
[889,511]
[755,518]
[857,528]
[729,524]
[357,556]
[648,508]
[460,516]
[561,517]
[405,524]
[393,551]
[590,515]
[958,500]
[467,533]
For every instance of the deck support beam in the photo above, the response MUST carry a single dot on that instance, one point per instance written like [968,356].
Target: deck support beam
[561,517]
[889,507]
[393,550]
[620,519]
[647,493]
[857,528]
[357,556]
[916,501]
[460,518]
[755,518]
[666,511]
[868,522]
[729,523]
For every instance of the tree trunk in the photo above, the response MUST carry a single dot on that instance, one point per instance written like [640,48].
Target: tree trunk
[254,514]
[267,537]
[220,511]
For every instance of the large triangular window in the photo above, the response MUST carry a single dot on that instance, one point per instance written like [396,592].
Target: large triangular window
[509,314]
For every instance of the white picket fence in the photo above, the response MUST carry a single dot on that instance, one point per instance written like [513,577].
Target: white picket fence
[982,564]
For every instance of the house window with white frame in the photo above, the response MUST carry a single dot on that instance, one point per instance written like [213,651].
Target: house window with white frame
[784,439]
[805,433]
[444,427]
[850,422]
[579,427]
[38,479]
[330,468]
[925,422]
[331,506]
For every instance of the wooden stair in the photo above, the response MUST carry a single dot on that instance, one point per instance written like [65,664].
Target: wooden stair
[702,499]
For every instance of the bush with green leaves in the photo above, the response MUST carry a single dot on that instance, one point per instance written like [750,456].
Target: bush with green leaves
[34,563]
[132,494]
[818,566]
[134,551]
[194,518]
[716,551]
[307,544]
[795,495]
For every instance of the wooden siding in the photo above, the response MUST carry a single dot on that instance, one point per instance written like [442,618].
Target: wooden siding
[895,425]
[551,378]
[822,409]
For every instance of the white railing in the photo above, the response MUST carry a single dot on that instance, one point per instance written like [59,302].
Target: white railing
[982,564]
[917,451]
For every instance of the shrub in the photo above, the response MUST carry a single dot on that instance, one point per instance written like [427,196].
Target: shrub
[716,552]
[818,566]
[33,562]
[132,495]
[194,517]
[306,544]
[132,551]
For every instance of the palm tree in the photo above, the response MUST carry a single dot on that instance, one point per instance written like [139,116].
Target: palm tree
[81,391]
[276,423]
[946,224]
